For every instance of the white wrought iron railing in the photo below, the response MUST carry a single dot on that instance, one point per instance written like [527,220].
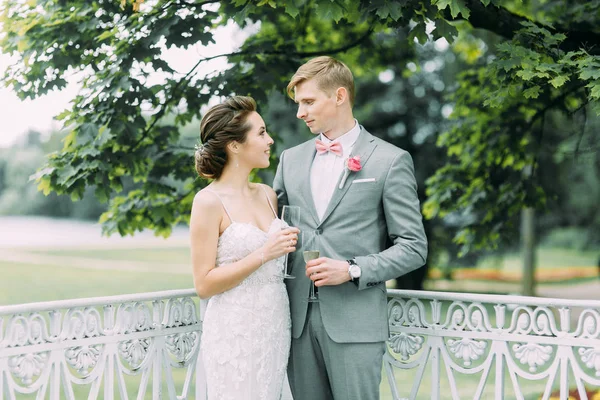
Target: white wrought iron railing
[441,346]
[134,346]
[472,346]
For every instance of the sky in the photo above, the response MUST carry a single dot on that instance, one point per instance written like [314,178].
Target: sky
[19,116]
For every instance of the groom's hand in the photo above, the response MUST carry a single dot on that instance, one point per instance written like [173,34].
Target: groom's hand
[327,272]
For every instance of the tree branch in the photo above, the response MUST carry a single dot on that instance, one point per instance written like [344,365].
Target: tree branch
[187,77]
[504,23]
[301,54]
[553,103]
[536,156]
[193,4]
[580,138]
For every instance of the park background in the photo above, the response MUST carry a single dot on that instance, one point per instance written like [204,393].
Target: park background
[497,102]
[500,122]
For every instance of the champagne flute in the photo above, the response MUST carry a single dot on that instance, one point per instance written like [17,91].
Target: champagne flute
[291,216]
[311,255]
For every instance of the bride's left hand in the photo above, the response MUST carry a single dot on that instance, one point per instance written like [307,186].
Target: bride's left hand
[325,271]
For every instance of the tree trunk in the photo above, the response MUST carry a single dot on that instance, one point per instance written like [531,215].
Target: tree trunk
[528,248]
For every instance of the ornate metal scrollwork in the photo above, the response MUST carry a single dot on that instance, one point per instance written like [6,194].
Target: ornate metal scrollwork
[182,345]
[467,349]
[83,358]
[591,358]
[405,345]
[532,354]
[134,351]
[28,366]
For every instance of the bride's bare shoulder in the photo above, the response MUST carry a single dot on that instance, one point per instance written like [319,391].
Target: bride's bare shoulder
[206,200]
[270,192]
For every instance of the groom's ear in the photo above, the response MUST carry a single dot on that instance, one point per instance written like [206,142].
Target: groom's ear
[341,95]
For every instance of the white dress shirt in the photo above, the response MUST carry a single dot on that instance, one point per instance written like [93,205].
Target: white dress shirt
[327,169]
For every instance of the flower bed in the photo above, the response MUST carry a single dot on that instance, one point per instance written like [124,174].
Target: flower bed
[547,275]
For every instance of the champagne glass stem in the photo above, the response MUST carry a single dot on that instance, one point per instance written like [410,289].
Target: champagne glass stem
[284,269]
[312,296]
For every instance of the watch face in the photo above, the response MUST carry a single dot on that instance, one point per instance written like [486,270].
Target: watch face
[354,271]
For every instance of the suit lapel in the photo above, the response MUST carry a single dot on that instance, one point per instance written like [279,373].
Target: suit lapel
[364,148]
[304,164]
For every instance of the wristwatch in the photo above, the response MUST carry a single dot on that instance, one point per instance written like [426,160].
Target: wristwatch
[353,270]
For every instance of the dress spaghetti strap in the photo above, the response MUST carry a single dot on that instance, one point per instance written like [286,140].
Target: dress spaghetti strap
[269,200]
[222,203]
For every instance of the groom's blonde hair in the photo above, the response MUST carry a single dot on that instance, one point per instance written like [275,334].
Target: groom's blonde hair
[329,73]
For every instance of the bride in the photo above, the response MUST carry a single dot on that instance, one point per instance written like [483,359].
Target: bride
[237,244]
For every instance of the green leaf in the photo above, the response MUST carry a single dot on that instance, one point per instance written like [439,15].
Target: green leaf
[63,115]
[329,9]
[444,29]
[532,92]
[391,10]
[22,45]
[70,140]
[594,90]
[430,209]
[456,7]
[44,186]
[508,64]
[102,193]
[270,3]
[105,35]
[419,32]
[559,80]
[66,174]
[291,9]
[527,74]
[590,73]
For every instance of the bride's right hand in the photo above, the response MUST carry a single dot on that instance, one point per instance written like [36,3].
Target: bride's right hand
[281,242]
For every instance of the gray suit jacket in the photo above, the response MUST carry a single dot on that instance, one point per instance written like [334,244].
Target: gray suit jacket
[377,221]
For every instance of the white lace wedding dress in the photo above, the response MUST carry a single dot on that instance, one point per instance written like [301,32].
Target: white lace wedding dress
[246,330]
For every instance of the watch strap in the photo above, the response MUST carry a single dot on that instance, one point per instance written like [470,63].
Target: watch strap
[352,262]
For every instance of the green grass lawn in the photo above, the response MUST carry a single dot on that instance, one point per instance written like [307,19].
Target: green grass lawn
[26,283]
[176,255]
[546,258]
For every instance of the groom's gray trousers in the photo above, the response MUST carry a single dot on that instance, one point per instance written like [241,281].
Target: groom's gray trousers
[351,370]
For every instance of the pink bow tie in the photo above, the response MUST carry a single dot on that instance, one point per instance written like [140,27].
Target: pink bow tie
[333,147]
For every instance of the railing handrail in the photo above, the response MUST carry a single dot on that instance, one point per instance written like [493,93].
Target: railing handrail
[494,298]
[418,294]
[91,301]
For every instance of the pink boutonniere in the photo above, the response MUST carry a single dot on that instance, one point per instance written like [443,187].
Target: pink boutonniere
[352,165]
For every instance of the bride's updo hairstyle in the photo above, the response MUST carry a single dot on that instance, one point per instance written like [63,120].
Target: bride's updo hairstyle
[222,124]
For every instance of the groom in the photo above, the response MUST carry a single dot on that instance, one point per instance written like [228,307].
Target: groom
[359,205]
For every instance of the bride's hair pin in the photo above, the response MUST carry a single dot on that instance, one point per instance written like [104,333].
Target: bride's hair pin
[199,148]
